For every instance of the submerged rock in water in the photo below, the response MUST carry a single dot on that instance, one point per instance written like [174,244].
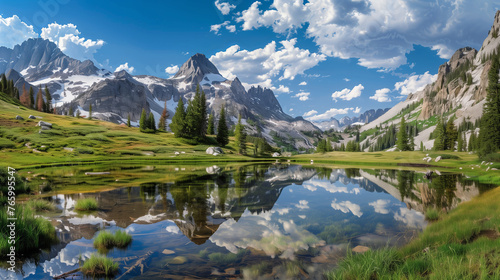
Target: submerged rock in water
[178,260]
[360,249]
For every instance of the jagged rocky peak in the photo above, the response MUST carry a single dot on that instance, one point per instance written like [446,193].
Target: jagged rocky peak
[195,69]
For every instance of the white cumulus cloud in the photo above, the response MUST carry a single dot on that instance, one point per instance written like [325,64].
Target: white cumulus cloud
[129,69]
[67,38]
[172,69]
[346,207]
[227,24]
[302,96]
[224,7]
[329,114]
[415,83]
[380,206]
[348,94]
[304,83]
[13,31]
[310,113]
[379,33]
[357,110]
[260,66]
[381,95]
[281,89]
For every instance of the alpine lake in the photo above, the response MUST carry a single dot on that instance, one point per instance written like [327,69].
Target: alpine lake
[259,221]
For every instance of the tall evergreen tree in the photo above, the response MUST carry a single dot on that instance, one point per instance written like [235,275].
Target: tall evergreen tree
[202,113]
[151,123]
[162,124]
[320,148]
[464,145]
[90,112]
[472,142]
[32,98]
[241,137]
[40,104]
[128,121]
[211,127]
[70,113]
[25,98]
[77,113]
[460,143]
[143,121]
[402,142]
[48,100]
[489,134]
[222,129]
[440,135]
[177,126]
[451,135]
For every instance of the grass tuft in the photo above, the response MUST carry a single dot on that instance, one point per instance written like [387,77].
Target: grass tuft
[41,205]
[432,214]
[87,204]
[99,266]
[107,240]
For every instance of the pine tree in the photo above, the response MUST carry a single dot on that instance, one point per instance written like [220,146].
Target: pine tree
[32,98]
[460,143]
[464,145]
[440,134]
[402,142]
[4,84]
[211,128]
[241,137]
[40,104]
[177,125]
[451,135]
[70,113]
[25,98]
[151,123]
[90,112]
[202,114]
[222,129]
[162,124]
[472,142]
[143,122]
[48,100]
[128,121]
[320,148]
[489,134]
[421,146]
[77,113]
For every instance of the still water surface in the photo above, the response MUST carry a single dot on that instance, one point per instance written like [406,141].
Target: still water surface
[257,221]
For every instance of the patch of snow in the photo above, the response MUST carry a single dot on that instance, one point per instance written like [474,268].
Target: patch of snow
[25,71]
[182,86]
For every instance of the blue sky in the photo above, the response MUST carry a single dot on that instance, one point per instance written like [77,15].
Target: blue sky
[322,58]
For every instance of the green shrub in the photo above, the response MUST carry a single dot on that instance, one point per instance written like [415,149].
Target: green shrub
[84,151]
[432,214]
[492,157]
[32,233]
[6,144]
[87,204]
[99,266]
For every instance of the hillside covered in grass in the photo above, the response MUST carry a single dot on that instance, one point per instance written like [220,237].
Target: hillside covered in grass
[71,139]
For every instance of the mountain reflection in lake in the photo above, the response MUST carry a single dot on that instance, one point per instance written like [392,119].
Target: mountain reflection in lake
[257,221]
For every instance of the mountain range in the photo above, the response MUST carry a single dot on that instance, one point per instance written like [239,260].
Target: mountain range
[78,84]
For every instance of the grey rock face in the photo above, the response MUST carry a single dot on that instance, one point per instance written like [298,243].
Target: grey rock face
[193,70]
[19,118]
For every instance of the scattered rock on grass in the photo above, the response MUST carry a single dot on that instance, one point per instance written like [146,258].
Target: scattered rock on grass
[276,154]
[214,151]
[19,118]
[438,158]
[32,117]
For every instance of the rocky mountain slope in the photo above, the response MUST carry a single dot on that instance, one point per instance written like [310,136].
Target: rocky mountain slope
[459,91]
[339,125]
[76,85]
